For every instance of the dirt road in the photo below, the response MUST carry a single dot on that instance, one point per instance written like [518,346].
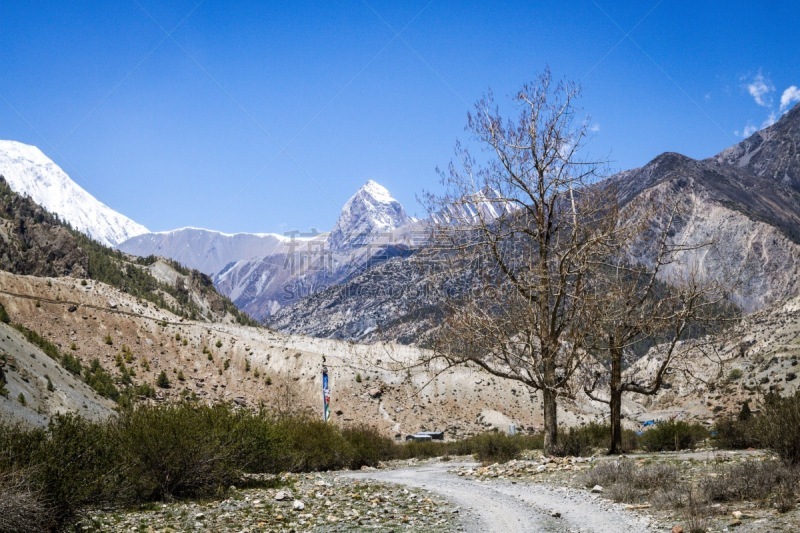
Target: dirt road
[509,507]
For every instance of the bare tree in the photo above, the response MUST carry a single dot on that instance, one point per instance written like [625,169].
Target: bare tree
[643,300]
[525,230]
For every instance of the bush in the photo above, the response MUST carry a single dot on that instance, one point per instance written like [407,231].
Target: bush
[368,447]
[179,450]
[313,445]
[45,345]
[495,447]
[736,434]
[778,426]
[751,480]
[628,482]
[78,465]
[261,447]
[72,364]
[22,507]
[673,435]
[70,465]
[580,441]
[163,381]
[97,378]
[4,318]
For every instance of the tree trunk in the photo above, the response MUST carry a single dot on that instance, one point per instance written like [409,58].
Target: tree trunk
[615,398]
[550,421]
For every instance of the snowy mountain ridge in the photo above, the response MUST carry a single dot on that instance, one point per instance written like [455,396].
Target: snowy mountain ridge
[206,250]
[368,215]
[30,172]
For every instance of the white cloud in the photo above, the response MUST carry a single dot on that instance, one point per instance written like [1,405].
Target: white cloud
[749,130]
[594,128]
[759,88]
[770,120]
[789,97]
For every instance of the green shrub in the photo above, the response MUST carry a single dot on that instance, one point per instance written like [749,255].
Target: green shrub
[750,480]
[261,447]
[628,482]
[163,381]
[735,434]
[70,465]
[78,465]
[179,450]
[583,440]
[3,381]
[495,447]
[778,426]
[672,435]
[72,364]
[4,318]
[427,449]
[313,445]
[734,375]
[745,414]
[45,345]
[368,447]
[101,381]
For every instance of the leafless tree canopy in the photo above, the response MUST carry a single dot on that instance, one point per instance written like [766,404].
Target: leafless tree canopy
[549,259]
[529,225]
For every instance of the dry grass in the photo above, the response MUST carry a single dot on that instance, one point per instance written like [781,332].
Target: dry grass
[21,507]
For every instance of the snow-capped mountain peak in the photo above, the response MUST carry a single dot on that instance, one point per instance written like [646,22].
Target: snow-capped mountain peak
[31,173]
[370,213]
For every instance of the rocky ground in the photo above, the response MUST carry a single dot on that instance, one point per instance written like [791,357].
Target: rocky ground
[693,467]
[535,493]
[303,502]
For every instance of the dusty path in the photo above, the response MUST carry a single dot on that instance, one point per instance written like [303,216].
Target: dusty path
[509,507]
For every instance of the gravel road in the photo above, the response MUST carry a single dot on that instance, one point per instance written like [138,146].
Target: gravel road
[507,506]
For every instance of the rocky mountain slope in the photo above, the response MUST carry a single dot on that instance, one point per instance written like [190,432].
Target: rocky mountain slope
[38,387]
[771,153]
[262,273]
[214,362]
[745,204]
[372,228]
[31,173]
[34,242]
[378,384]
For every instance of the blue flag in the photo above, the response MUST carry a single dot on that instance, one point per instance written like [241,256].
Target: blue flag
[326,395]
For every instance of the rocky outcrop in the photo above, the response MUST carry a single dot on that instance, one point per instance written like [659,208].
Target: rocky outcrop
[33,242]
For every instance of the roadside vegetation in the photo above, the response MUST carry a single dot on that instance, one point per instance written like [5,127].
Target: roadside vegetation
[50,476]
[703,492]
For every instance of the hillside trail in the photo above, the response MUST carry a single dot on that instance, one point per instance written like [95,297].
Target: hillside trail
[510,507]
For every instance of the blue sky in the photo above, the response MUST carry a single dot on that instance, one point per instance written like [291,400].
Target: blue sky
[267,116]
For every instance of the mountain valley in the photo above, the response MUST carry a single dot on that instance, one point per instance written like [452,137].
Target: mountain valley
[326,294]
